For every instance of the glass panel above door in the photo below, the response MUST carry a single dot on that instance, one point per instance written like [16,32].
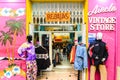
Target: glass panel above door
[57,28]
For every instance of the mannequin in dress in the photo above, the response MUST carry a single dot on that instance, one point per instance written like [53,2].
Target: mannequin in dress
[98,54]
[42,57]
[27,51]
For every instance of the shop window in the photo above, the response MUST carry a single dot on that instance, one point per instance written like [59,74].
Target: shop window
[33,19]
[37,20]
[74,20]
[81,20]
[77,20]
[70,20]
[36,37]
[44,20]
[41,20]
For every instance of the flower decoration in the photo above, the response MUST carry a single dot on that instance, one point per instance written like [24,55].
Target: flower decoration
[16,70]
[12,12]
[6,11]
[20,11]
[12,70]
[8,74]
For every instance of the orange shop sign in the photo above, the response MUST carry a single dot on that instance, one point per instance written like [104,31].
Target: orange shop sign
[57,16]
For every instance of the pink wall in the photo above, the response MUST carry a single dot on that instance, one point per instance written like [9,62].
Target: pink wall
[20,76]
[109,36]
[12,1]
[118,33]
[15,10]
[14,6]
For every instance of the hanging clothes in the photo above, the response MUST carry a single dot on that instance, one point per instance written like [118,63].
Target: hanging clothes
[97,52]
[81,61]
[68,49]
[72,54]
[42,58]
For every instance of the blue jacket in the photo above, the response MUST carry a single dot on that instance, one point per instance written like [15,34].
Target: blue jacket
[81,60]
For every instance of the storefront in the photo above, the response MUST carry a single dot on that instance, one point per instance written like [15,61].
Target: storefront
[103,16]
[58,22]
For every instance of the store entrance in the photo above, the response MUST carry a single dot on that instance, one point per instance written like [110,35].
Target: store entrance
[58,39]
[58,45]
[62,43]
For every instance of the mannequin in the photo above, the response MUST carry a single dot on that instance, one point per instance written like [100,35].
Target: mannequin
[98,55]
[27,51]
[99,36]
[42,58]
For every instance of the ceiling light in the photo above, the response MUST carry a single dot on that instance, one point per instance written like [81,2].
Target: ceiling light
[102,0]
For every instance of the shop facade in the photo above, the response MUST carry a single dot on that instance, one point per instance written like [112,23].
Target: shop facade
[39,15]
[103,16]
[51,21]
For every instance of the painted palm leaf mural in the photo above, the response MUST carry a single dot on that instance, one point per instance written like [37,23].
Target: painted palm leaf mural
[12,34]
[16,27]
[5,37]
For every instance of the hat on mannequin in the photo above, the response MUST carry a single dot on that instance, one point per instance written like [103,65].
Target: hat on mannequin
[99,36]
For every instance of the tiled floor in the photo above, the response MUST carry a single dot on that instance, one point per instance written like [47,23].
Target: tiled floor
[64,71]
[59,74]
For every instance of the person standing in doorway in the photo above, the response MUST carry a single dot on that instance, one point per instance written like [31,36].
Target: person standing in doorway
[98,53]
[27,51]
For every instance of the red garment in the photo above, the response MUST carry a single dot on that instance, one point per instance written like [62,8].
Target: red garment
[72,54]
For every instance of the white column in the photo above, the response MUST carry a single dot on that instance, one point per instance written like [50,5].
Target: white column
[83,33]
[31,29]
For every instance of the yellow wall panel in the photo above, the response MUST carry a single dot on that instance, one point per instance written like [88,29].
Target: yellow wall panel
[28,15]
[86,18]
[86,22]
